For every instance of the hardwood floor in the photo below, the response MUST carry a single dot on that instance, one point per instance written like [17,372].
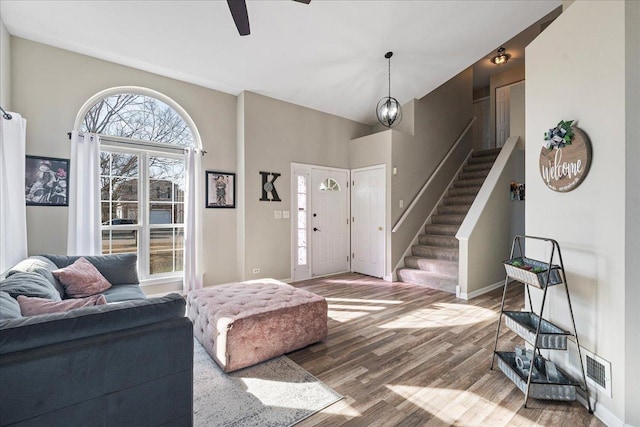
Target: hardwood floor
[407,355]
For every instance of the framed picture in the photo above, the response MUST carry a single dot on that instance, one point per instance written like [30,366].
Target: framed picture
[221,189]
[45,181]
[517,191]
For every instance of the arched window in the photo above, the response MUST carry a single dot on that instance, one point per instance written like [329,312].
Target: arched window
[142,178]
[329,184]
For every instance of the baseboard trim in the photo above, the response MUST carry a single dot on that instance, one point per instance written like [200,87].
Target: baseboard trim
[603,414]
[478,292]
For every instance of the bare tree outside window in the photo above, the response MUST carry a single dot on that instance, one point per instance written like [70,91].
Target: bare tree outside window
[143,118]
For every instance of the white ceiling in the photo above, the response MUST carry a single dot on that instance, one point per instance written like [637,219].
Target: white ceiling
[328,55]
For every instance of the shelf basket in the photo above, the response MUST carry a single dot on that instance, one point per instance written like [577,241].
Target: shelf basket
[524,323]
[538,280]
[563,389]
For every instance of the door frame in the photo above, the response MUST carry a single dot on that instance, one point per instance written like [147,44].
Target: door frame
[306,169]
[495,108]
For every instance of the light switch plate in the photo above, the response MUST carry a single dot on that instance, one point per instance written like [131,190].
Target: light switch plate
[277,214]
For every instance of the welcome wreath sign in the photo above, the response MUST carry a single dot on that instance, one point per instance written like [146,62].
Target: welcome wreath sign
[565,157]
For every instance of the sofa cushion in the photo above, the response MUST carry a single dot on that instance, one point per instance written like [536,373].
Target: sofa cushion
[124,293]
[32,306]
[29,284]
[41,265]
[118,269]
[9,307]
[38,331]
[82,279]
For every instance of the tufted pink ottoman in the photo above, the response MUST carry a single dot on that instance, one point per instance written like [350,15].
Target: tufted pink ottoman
[241,324]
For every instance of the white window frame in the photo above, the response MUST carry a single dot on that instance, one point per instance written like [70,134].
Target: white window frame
[111,142]
[144,225]
[299,272]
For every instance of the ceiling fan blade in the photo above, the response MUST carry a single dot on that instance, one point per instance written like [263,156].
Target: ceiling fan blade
[303,1]
[238,10]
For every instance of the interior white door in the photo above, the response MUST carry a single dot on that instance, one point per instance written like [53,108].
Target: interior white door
[368,235]
[503,113]
[329,221]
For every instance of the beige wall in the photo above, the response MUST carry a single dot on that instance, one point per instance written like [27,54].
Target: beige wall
[374,150]
[5,68]
[275,134]
[50,85]
[429,128]
[518,128]
[589,222]
[517,112]
[486,234]
[632,224]
[439,119]
[508,77]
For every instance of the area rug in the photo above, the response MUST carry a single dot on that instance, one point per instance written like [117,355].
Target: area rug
[274,393]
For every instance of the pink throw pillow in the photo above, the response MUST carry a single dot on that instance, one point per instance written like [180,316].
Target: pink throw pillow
[32,306]
[82,279]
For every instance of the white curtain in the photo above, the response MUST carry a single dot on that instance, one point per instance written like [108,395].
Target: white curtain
[84,195]
[192,221]
[13,213]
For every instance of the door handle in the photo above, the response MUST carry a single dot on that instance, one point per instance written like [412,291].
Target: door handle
[316,229]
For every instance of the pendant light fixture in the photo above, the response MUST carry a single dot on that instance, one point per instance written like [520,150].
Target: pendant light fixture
[388,110]
[501,58]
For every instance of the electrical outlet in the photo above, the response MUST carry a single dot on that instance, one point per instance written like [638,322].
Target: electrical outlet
[285,214]
[401,203]
[256,270]
[277,214]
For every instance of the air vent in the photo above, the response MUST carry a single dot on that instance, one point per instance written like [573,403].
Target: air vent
[598,371]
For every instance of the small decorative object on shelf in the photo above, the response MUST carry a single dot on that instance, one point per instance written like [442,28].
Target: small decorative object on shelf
[532,272]
[534,375]
[565,157]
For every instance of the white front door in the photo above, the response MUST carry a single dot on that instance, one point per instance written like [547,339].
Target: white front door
[329,225]
[368,221]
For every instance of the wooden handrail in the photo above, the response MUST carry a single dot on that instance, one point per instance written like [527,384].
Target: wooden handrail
[415,200]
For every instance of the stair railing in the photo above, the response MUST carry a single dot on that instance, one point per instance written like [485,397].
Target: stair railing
[416,199]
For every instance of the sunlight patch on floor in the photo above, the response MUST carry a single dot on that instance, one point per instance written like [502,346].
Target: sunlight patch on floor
[355,307]
[364,301]
[343,408]
[345,316]
[450,406]
[259,388]
[366,282]
[441,315]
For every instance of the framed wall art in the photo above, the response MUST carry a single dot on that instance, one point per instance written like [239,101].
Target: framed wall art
[220,190]
[565,157]
[45,181]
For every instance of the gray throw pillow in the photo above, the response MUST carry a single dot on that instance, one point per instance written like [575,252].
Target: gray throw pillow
[30,285]
[118,269]
[41,265]
[9,307]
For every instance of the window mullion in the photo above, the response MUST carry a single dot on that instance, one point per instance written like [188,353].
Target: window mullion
[143,200]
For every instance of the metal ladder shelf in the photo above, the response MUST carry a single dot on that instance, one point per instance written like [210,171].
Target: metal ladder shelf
[537,331]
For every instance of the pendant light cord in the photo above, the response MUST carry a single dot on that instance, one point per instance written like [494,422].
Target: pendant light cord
[389,59]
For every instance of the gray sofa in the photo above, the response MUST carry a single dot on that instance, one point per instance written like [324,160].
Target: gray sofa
[126,363]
